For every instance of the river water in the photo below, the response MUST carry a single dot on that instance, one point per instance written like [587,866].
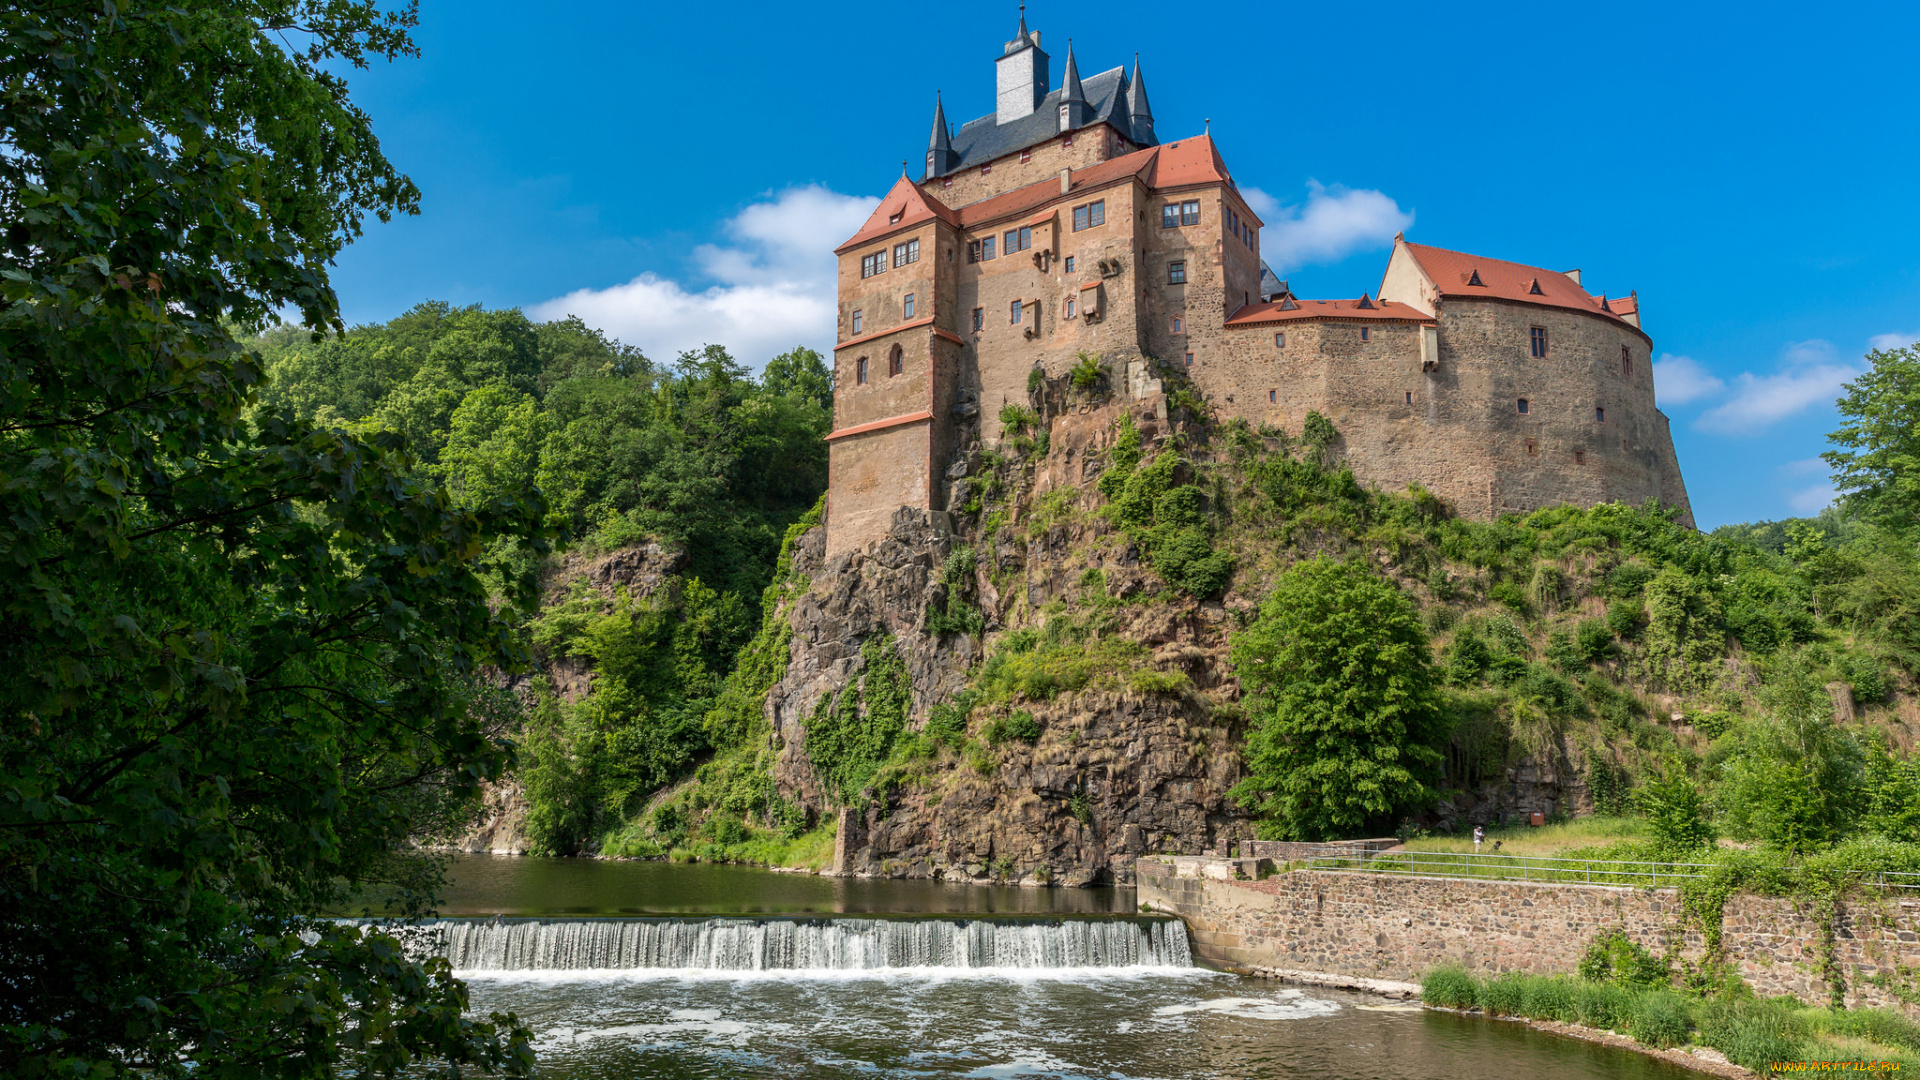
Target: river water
[630,970]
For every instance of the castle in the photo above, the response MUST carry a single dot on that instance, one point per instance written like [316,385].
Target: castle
[1061,224]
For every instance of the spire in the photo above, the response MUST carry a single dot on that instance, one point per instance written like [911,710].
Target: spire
[1021,36]
[940,147]
[1139,113]
[1074,110]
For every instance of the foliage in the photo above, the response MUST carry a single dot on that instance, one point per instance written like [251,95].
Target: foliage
[1347,729]
[1167,518]
[1676,815]
[852,733]
[1661,1019]
[1613,957]
[1792,780]
[1064,655]
[1878,468]
[1087,373]
[243,652]
[954,612]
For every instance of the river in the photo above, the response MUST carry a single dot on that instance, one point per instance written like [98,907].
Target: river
[630,970]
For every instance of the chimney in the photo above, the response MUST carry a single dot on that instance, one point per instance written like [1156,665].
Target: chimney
[1066,181]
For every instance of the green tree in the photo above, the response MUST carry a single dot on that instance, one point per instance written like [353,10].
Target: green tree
[493,444]
[1794,779]
[1878,469]
[1676,815]
[241,653]
[1347,731]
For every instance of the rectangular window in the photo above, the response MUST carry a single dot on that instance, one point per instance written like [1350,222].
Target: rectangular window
[908,252]
[973,251]
[1579,457]
[1522,406]
[1170,216]
[857,322]
[1069,264]
[1013,312]
[1068,141]
[1599,415]
[1532,448]
[1537,342]
[979,319]
[986,249]
[1409,397]
[1189,359]
[985,169]
[1190,212]
[860,370]
[1176,273]
[1280,341]
[1086,217]
[1026,156]
[1273,397]
[873,264]
[1069,307]
[906,307]
[1626,361]
[1018,239]
[1366,333]
[1178,325]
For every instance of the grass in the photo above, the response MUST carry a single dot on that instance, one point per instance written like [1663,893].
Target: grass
[1752,1032]
[1547,840]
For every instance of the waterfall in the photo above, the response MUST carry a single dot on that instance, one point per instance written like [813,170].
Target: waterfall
[794,944]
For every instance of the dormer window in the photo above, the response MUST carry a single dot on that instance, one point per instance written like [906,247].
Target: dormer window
[893,219]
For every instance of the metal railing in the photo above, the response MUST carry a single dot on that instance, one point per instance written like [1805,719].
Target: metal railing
[1651,875]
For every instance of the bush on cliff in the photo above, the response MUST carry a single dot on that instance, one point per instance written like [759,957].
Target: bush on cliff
[1348,731]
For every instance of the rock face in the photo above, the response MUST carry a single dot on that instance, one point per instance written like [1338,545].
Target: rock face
[643,570]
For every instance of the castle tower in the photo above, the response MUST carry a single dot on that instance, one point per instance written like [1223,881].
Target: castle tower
[1074,110]
[940,146]
[1139,113]
[1020,77]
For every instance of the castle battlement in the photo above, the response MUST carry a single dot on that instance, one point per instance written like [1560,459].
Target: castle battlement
[1059,225]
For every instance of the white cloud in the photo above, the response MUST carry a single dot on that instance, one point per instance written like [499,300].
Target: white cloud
[1810,374]
[1892,341]
[1680,379]
[1334,223]
[774,285]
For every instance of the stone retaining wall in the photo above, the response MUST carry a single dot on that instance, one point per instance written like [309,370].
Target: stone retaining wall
[1390,926]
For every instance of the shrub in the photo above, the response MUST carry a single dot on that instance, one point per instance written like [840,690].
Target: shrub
[1601,1005]
[1613,957]
[947,723]
[1450,987]
[1503,995]
[1149,681]
[1087,371]
[1660,1019]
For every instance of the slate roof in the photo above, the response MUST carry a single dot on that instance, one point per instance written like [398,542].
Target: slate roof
[980,141]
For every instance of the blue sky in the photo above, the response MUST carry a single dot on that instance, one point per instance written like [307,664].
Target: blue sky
[678,174]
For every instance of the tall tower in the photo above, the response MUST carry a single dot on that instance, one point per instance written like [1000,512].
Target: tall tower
[1020,76]
[940,147]
[1139,113]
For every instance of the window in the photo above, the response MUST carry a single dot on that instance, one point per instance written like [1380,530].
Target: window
[1176,273]
[1018,239]
[1280,340]
[946,181]
[858,322]
[1069,264]
[1538,341]
[908,252]
[895,361]
[1177,325]
[1626,362]
[1366,333]
[1027,155]
[1068,141]
[1086,217]
[979,319]
[1523,406]
[906,307]
[860,370]
[1013,312]
[873,264]
[1579,457]
[1273,397]
[1532,448]
[986,249]
[1599,415]
[973,251]
[893,219]
[1189,359]
[1069,307]
[1409,397]
[985,169]
[1233,222]
[1170,216]
[1190,212]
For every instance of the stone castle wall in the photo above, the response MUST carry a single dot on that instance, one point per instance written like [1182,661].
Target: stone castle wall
[1389,926]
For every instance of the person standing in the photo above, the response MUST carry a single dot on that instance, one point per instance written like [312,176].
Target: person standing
[1479,834]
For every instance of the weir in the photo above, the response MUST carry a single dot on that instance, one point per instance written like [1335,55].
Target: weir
[803,944]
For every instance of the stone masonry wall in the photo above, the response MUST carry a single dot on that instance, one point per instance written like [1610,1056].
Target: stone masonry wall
[1387,926]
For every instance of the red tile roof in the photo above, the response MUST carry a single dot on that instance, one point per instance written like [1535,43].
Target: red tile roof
[1188,161]
[1453,271]
[878,425]
[1382,310]
[914,206]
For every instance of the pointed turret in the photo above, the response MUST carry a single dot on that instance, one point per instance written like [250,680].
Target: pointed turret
[1020,76]
[940,156]
[1139,113]
[1074,110]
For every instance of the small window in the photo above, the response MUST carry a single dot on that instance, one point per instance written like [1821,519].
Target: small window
[1273,397]
[1523,406]
[946,181]
[1366,333]
[895,361]
[979,319]
[873,264]
[1626,362]
[1189,359]
[1176,273]
[1579,457]
[1068,141]
[1190,212]
[1599,415]
[1177,325]
[906,307]
[985,169]
[1532,448]
[1280,340]
[1027,155]
[986,249]
[858,322]
[973,251]
[1069,307]
[860,370]
[893,219]
[1069,264]
[1013,312]
[1409,397]
[1623,445]
[1537,342]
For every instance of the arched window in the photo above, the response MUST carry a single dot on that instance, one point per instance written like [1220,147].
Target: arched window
[1177,325]
[894,362]
[860,370]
